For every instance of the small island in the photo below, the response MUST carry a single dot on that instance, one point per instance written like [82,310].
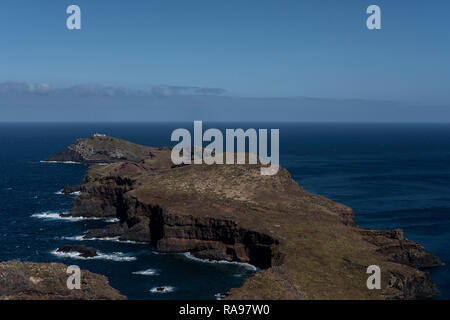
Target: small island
[305,246]
[80,250]
[102,149]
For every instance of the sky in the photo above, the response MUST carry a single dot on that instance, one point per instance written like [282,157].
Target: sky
[258,49]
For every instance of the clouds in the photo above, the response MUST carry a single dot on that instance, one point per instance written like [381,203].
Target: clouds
[24,88]
[210,91]
[94,90]
[98,103]
[98,90]
[165,91]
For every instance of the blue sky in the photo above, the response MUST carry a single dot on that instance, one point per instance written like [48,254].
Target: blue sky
[250,48]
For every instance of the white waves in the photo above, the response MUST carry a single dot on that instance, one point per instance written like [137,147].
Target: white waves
[60,192]
[65,162]
[243,264]
[115,256]
[162,289]
[50,215]
[148,272]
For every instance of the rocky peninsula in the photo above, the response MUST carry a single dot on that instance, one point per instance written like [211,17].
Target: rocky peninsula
[48,281]
[102,149]
[305,246]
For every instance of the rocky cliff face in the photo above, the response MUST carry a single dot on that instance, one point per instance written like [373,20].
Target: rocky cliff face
[392,244]
[205,237]
[306,246]
[48,281]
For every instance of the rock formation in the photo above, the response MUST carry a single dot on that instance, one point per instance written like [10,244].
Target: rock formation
[306,246]
[103,149]
[70,189]
[83,251]
[48,281]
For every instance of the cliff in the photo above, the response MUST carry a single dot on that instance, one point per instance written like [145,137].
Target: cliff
[306,246]
[48,281]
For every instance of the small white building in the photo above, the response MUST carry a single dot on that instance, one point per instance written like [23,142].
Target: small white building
[99,135]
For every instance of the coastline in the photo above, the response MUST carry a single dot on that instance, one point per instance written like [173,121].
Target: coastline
[126,175]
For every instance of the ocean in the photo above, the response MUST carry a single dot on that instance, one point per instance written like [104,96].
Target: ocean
[392,175]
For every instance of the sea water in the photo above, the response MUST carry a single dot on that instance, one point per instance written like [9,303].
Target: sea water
[392,175]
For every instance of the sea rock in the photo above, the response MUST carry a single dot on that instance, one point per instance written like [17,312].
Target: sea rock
[81,249]
[70,189]
[48,281]
[161,289]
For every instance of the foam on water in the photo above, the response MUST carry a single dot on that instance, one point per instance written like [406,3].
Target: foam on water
[219,296]
[243,264]
[49,215]
[165,289]
[148,272]
[114,239]
[115,256]
[131,241]
[60,192]
[74,238]
[65,162]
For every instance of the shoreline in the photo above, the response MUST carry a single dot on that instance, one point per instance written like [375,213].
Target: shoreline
[117,187]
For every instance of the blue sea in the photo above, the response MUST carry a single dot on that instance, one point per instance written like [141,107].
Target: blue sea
[392,175]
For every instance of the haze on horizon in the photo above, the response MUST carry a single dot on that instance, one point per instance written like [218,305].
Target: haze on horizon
[225,60]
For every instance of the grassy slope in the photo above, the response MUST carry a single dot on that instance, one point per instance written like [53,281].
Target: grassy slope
[323,257]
